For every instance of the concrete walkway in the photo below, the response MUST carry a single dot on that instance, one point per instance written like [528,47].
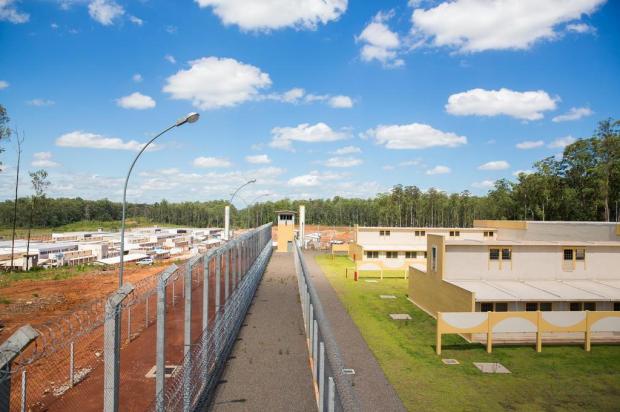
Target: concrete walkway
[269,369]
[372,388]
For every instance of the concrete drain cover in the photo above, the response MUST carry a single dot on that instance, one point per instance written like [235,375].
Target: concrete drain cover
[450,361]
[488,367]
[387,296]
[169,371]
[370,281]
[400,316]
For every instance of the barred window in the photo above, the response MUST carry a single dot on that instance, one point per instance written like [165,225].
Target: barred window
[372,254]
[506,254]
[494,254]
[580,254]
[391,255]
[568,254]
[411,255]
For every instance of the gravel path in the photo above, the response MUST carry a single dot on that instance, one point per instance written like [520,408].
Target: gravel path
[373,390]
[269,368]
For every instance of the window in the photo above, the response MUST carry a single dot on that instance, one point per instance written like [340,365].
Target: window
[580,254]
[575,306]
[411,255]
[616,306]
[455,233]
[506,254]
[384,233]
[488,234]
[591,306]
[545,306]
[494,254]
[568,254]
[434,259]
[391,255]
[531,306]
[501,307]
[420,233]
[486,307]
[425,255]
[372,254]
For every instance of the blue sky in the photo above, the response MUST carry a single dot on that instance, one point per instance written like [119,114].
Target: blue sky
[313,98]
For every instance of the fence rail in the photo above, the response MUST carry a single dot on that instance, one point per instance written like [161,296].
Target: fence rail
[71,363]
[332,379]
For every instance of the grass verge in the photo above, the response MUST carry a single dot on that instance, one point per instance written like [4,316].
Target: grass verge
[561,378]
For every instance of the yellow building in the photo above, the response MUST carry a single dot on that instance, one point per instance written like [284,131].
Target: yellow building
[286,230]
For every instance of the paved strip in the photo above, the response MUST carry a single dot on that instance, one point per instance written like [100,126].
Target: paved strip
[269,368]
[372,388]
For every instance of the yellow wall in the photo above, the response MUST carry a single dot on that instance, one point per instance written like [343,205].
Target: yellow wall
[355,251]
[431,293]
[501,224]
[285,235]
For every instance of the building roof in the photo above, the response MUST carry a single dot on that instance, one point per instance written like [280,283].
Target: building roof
[396,247]
[127,258]
[541,290]
[426,229]
[512,242]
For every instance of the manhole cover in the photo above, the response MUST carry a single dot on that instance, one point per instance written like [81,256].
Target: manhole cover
[491,367]
[400,316]
[387,296]
[450,361]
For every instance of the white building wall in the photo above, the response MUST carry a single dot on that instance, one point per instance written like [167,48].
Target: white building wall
[530,263]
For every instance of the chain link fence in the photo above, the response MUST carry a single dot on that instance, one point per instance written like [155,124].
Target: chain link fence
[68,364]
[331,378]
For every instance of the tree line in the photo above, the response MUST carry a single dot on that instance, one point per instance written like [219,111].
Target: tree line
[581,184]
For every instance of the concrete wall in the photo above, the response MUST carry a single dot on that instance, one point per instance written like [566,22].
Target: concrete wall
[285,235]
[406,236]
[530,262]
[431,293]
[536,230]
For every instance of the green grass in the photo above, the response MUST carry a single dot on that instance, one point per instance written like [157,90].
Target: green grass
[83,225]
[560,378]
[64,272]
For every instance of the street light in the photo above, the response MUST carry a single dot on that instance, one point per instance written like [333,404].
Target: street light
[230,204]
[254,203]
[190,118]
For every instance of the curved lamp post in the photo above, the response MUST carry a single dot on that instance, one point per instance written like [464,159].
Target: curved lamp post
[190,118]
[254,203]
[249,182]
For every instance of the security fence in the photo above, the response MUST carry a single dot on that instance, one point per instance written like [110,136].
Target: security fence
[160,343]
[331,378]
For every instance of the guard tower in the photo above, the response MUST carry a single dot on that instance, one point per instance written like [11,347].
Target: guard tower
[286,230]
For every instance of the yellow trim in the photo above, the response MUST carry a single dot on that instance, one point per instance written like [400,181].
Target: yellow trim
[501,224]
[617,230]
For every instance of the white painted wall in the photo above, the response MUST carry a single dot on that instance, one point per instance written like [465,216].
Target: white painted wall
[406,236]
[530,263]
[581,231]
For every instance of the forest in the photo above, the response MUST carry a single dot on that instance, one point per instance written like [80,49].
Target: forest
[582,184]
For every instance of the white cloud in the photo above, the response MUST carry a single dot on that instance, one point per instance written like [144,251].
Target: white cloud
[494,165]
[529,144]
[439,170]
[258,159]
[3,84]
[170,59]
[211,162]
[575,113]
[41,102]
[8,12]
[516,173]
[347,161]
[96,141]
[105,11]
[282,137]
[521,105]
[340,102]
[212,83]
[136,20]
[379,42]
[171,29]
[479,25]
[137,78]
[44,159]
[413,136]
[347,150]
[485,184]
[136,101]
[562,142]
[293,95]
[276,14]
[580,28]
[314,178]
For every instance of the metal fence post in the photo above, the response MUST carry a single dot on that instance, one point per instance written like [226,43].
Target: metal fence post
[310,328]
[129,324]
[23,394]
[227,275]
[146,311]
[187,334]
[71,366]
[112,347]
[315,348]
[9,350]
[321,377]
[331,395]
[218,281]
[160,339]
